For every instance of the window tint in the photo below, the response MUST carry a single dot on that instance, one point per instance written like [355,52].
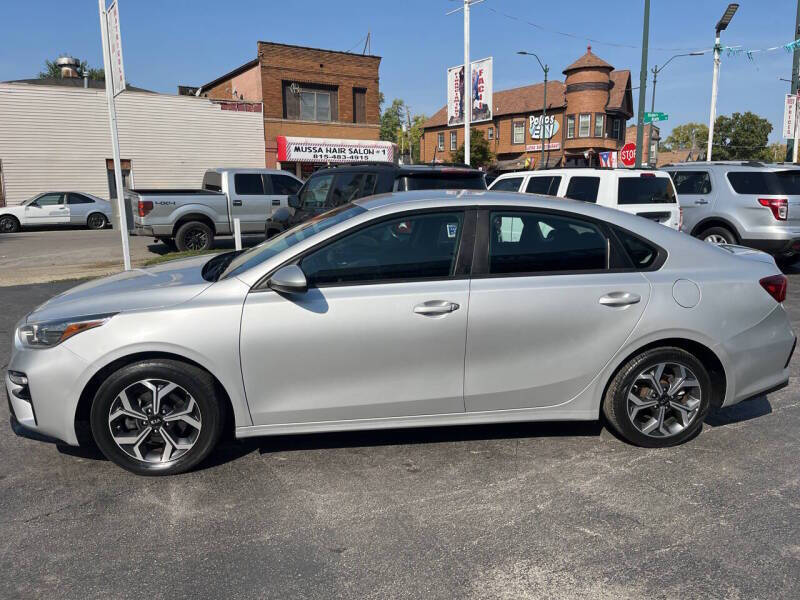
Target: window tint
[212,181]
[351,186]
[284,186]
[249,184]
[315,191]
[789,180]
[645,190]
[79,199]
[50,200]
[444,182]
[507,185]
[524,242]
[691,182]
[410,247]
[544,185]
[583,188]
[755,182]
[641,253]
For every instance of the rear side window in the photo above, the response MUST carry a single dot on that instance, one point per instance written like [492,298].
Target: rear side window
[284,186]
[544,185]
[583,188]
[529,243]
[691,182]
[442,181]
[645,190]
[249,184]
[79,199]
[642,254]
[755,182]
[212,181]
[507,185]
[790,181]
[352,186]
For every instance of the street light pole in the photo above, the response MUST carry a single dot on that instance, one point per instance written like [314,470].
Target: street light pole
[791,151]
[722,25]
[546,70]
[642,85]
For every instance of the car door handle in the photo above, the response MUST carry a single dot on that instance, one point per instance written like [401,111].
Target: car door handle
[701,201]
[436,307]
[619,299]
[276,202]
[237,202]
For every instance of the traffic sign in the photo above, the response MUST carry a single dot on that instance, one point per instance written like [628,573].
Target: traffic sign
[649,117]
[628,154]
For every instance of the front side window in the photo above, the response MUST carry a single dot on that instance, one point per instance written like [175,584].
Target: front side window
[421,246]
[453,140]
[79,199]
[351,186]
[584,125]
[315,191]
[50,200]
[531,243]
[645,190]
[691,182]
[283,185]
[440,141]
[510,184]
[544,185]
[570,126]
[599,124]
[315,105]
[518,132]
[248,184]
[583,188]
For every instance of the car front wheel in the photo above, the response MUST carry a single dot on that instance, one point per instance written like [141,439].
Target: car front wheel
[658,398]
[157,417]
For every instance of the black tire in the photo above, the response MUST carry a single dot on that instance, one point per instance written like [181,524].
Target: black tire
[194,235]
[271,233]
[193,380]
[96,221]
[720,232]
[9,224]
[615,402]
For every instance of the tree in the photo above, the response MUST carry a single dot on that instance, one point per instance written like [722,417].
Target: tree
[392,120]
[53,71]
[777,152]
[687,136]
[480,154]
[742,136]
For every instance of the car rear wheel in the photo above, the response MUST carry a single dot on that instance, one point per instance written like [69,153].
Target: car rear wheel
[718,235]
[9,224]
[96,221]
[658,398]
[157,417]
[194,236]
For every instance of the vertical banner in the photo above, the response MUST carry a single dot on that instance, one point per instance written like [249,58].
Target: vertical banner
[481,81]
[115,49]
[789,116]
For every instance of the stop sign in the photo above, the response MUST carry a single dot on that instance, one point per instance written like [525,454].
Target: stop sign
[628,154]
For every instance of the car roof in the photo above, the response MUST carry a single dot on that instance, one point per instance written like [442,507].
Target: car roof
[400,170]
[581,171]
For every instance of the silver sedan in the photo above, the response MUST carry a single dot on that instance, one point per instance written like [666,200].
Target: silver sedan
[406,310]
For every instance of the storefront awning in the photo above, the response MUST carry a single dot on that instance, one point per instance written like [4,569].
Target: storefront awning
[326,150]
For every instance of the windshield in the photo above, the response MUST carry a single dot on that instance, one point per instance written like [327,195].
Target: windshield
[646,190]
[266,250]
[442,181]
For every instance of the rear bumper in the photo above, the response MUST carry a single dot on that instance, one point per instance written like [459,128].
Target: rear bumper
[775,246]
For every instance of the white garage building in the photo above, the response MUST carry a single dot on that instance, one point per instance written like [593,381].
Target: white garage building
[56,137]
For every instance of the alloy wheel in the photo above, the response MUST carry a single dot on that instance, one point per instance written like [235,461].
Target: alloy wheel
[7,225]
[96,221]
[154,421]
[715,238]
[664,399]
[196,239]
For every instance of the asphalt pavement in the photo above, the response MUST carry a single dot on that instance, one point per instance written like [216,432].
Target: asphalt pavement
[555,510]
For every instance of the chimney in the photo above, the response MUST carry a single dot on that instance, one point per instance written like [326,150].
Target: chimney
[69,66]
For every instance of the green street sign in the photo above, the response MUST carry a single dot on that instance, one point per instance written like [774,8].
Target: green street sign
[649,117]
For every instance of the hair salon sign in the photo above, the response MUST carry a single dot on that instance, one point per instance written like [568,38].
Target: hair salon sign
[550,128]
[318,150]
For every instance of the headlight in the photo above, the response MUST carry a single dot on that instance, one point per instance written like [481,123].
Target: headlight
[51,333]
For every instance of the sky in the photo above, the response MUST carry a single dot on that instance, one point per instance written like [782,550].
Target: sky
[171,42]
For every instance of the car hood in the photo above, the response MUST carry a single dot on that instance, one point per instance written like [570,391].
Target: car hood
[155,287]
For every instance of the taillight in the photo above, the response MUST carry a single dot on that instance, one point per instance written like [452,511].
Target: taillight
[778,206]
[145,206]
[775,286]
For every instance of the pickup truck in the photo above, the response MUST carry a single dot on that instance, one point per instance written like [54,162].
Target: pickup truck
[190,219]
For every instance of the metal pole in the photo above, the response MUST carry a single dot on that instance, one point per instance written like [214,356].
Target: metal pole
[122,217]
[544,116]
[467,83]
[713,116]
[652,109]
[790,151]
[642,85]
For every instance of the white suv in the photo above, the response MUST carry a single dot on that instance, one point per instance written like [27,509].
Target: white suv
[642,192]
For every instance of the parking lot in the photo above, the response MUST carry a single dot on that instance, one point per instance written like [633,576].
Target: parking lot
[560,510]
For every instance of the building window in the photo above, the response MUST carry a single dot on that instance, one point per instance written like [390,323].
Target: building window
[490,133]
[653,155]
[440,141]
[518,132]
[359,105]
[570,127]
[616,129]
[310,102]
[453,141]
[599,124]
[584,125]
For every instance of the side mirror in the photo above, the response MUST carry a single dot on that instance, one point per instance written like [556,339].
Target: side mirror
[289,280]
[294,201]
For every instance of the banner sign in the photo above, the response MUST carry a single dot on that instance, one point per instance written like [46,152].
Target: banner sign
[538,147]
[115,49]
[535,127]
[319,150]
[481,83]
[608,159]
[789,116]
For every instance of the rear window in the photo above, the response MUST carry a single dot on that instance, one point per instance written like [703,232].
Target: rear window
[645,190]
[511,184]
[544,185]
[583,188]
[212,181]
[443,181]
[755,182]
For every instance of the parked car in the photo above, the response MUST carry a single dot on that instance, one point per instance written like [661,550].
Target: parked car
[736,202]
[57,208]
[642,192]
[407,310]
[332,187]
[190,219]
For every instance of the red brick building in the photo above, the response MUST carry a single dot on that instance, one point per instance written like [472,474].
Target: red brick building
[590,110]
[319,106]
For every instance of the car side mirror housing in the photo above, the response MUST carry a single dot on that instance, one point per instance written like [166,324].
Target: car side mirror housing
[289,280]
[294,201]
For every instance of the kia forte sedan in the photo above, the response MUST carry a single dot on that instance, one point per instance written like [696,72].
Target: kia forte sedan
[405,310]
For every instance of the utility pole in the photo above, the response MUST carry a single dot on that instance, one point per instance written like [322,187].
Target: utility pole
[642,85]
[791,152]
[546,70]
[722,25]
[410,143]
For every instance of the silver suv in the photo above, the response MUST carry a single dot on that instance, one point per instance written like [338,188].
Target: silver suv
[748,203]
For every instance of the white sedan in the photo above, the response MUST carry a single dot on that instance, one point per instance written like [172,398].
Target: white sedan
[57,208]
